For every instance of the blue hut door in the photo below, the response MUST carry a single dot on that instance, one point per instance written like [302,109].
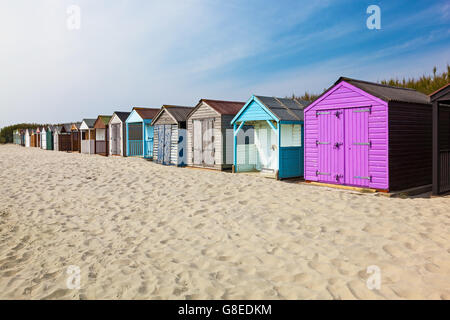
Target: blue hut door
[167,143]
[330,167]
[148,142]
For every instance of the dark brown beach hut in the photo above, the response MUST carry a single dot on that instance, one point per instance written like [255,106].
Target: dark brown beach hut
[441,140]
[65,138]
[75,137]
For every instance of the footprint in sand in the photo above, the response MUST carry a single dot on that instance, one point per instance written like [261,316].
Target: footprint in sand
[58,294]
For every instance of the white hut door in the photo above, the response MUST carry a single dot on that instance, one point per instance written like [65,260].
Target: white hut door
[115,136]
[208,142]
[198,142]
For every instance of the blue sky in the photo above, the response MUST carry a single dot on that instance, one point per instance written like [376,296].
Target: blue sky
[149,53]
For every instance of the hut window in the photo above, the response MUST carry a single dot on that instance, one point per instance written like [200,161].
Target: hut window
[100,134]
[291,135]
[83,135]
[135,131]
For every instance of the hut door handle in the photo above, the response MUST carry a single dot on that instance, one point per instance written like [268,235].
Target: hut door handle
[337,145]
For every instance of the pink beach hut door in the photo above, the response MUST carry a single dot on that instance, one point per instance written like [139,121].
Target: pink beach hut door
[331,146]
[357,147]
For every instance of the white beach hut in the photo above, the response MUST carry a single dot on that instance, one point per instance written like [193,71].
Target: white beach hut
[43,138]
[27,138]
[87,136]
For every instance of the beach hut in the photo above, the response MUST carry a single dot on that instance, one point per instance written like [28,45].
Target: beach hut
[56,133]
[441,140]
[44,138]
[65,138]
[273,145]
[101,135]
[210,134]
[50,142]
[22,137]
[117,134]
[170,147]
[37,132]
[16,136]
[369,135]
[33,138]
[75,137]
[87,136]
[140,132]
[27,138]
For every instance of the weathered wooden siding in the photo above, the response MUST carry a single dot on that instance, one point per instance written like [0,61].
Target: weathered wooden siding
[410,145]
[342,96]
[174,145]
[206,112]
[165,118]
[56,141]
[155,142]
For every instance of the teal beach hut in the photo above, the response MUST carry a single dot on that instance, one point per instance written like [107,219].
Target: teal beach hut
[50,142]
[273,140]
[140,132]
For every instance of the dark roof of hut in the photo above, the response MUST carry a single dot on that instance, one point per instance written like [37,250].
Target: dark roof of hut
[146,113]
[442,93]
[283,108]
[89,122]
[388,93]
[224,107]
[179,113]
[122,115]
[67,127]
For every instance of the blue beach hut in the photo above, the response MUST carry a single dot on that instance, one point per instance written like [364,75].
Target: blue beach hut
[140,132]
[277,135]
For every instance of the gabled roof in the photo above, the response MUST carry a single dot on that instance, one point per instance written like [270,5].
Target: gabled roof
[146,113]
[57,128]
[224,107]
[76,125]
[279,109]
[284,109]
[122,115]
[102,121]
[388,93]
[442,93]
[66,127]
[220,106]
[178,113]
[89,122]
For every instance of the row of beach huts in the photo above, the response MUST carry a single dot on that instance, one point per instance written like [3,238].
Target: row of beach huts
[357,133]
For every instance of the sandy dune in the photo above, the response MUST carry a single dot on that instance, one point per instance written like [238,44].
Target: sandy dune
[139,230]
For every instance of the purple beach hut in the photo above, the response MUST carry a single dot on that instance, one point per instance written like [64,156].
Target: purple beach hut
[369,135]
